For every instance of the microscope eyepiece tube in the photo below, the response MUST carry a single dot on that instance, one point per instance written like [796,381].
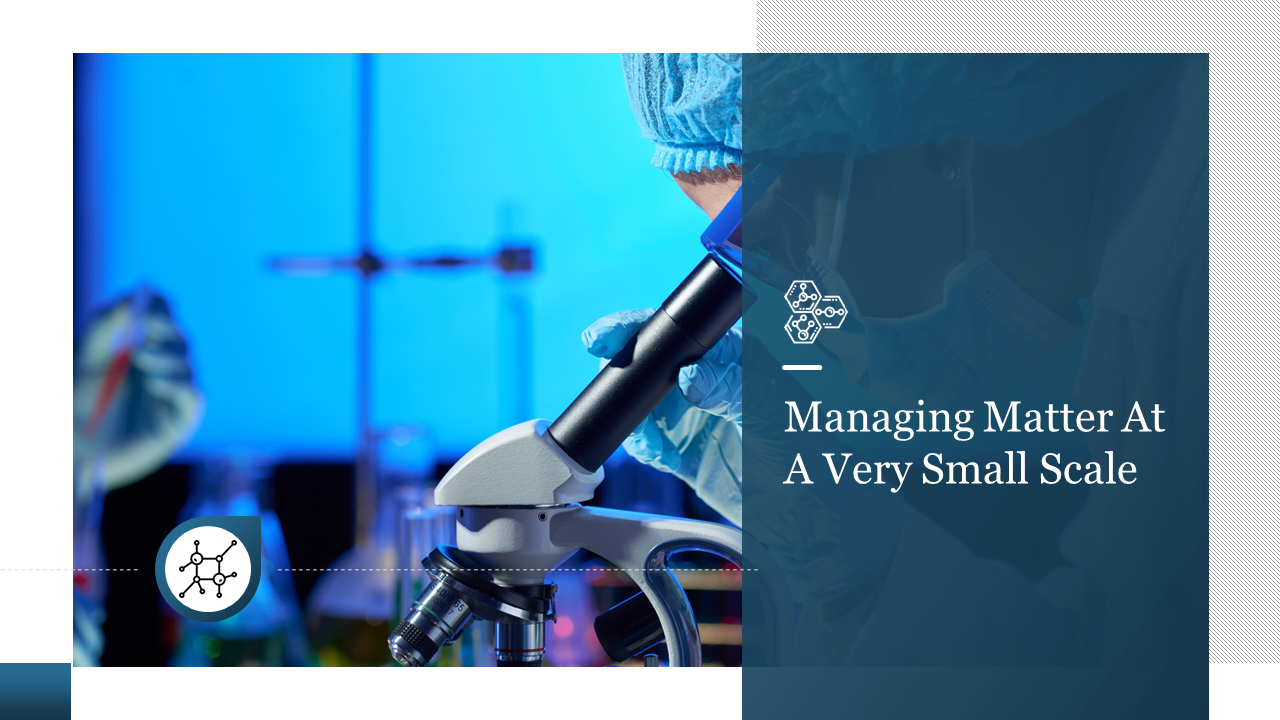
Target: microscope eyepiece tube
[689,323]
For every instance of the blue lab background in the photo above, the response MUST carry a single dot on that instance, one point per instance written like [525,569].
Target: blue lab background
[194,170]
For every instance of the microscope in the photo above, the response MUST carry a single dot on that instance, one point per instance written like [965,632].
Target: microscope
[518,497]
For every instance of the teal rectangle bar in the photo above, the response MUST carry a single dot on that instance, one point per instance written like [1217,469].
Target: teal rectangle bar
[35,691]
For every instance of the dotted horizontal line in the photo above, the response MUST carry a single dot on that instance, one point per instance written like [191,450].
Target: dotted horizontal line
[68,569]
[523,570]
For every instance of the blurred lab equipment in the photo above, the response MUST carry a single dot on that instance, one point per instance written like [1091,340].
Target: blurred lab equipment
[354,601]
[510,261]
[135,404]
[364,599]
[270,629]
[369,265]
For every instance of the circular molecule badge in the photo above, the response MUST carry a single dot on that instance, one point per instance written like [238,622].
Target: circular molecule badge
[207,569]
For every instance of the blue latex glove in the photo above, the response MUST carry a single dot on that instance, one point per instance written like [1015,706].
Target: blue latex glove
[695,433]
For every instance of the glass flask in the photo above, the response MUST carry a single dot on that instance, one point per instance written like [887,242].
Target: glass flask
[269,630]
[354,604]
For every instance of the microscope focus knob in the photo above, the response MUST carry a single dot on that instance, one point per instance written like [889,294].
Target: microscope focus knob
[629,628]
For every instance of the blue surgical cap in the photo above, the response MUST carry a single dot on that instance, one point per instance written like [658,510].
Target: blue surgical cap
[855,104]
[689,105]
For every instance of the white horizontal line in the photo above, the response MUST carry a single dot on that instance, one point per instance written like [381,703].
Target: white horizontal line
[68,569]
[801,367]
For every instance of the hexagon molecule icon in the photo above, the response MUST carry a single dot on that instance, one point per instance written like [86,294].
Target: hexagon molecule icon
[830,311]
[803,328]
[803,296]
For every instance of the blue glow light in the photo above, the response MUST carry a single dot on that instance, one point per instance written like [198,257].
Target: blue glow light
[210,164]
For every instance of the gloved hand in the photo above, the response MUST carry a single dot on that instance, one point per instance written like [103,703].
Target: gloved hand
[154,407]
[695,433]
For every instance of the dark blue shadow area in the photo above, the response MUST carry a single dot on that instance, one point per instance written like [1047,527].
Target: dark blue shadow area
[1003,692]
[35,691]
[975,432]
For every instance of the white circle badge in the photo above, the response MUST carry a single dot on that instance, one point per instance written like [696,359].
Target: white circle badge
[207,568]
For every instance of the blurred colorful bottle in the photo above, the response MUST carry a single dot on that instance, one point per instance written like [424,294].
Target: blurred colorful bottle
[270,630]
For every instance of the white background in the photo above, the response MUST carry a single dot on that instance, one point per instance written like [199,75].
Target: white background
[36,296]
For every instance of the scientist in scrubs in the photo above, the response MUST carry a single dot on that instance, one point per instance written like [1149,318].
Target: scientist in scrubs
[978,214]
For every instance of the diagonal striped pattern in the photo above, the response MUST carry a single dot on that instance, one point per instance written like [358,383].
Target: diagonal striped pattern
[1244,496]
[790,26]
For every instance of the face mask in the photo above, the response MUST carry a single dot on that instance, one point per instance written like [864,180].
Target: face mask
[984,337]
[979,342]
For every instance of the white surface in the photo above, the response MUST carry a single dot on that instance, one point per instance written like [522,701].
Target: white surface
[180,568]
[1244,692]
[35,369]
[521,465]
[515,542]
[340,693]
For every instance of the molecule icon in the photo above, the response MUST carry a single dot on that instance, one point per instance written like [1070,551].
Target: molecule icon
[830,311]
[803,328]
[218,579]
[811,311]
[803,296]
